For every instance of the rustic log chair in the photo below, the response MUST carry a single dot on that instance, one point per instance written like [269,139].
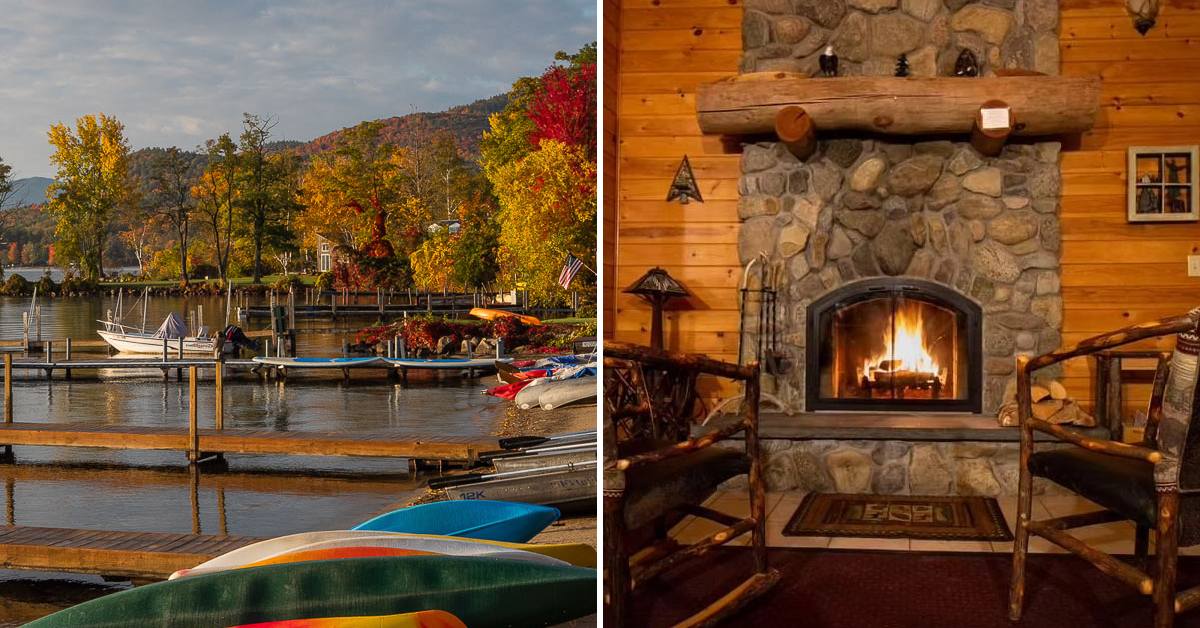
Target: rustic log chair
[1155,483]
[654,470]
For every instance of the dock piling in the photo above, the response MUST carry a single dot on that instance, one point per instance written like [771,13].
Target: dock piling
[193,428]
[219,393]
[67,372]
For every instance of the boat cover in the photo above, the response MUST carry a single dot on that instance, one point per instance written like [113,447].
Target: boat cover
[172,327]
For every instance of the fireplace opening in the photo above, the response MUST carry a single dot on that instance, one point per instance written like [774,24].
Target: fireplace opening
[894,344]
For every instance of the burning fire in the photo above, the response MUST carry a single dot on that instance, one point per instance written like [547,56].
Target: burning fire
[905,360]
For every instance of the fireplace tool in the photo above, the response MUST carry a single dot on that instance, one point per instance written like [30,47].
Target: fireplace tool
[766,349]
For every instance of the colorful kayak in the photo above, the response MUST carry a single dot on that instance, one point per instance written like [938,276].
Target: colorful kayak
[480,591]
[489,520]
[333,553]
[573,553]
[422,619]
[319,363]
[489,314]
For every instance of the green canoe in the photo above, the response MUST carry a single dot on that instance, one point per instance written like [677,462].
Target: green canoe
[478,590]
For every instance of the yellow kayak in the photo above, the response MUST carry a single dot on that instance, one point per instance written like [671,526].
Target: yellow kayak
[421,619]
[491,315]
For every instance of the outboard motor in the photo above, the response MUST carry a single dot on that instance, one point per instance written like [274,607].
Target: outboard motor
[235,339]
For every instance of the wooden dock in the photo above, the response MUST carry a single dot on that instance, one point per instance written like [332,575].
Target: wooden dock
[141,555]
[239,441]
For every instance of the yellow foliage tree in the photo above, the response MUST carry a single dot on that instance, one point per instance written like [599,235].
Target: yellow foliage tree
[547,210]
[433,262]
[91,184]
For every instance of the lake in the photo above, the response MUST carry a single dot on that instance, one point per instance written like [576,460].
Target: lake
[258,495]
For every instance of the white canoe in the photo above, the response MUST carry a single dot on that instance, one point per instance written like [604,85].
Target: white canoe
[568,391]
[319,363]
[148,343]
[310,541]
[445,363]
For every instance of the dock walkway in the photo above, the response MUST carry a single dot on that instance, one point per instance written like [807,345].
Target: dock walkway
[238,441]
[144,555]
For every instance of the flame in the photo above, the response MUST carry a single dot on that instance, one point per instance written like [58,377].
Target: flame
[906,350]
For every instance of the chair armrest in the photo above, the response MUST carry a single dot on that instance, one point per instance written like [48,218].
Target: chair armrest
[1109,447]
[684,447]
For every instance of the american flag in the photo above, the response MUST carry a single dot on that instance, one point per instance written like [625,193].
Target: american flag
[572,267]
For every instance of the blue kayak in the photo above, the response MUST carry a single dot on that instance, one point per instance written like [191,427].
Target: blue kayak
[511,522]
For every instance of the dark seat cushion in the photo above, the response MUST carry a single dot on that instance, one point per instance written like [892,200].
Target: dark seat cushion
[655,489]
[1123,485]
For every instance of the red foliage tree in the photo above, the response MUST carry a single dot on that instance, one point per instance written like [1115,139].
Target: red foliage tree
[564,107]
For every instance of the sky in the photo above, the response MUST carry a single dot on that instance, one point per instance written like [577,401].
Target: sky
[179,72]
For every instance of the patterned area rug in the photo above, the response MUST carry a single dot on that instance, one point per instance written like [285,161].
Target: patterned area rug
[911,516]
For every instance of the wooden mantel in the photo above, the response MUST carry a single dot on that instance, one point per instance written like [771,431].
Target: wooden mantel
[1041,105]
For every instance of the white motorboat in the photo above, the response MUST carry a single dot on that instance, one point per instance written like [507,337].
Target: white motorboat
[173,331]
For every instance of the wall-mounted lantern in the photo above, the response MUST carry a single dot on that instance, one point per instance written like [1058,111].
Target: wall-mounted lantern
[683,186]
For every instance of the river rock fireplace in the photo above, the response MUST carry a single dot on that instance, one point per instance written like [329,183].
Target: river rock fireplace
[914,268]
[888,344]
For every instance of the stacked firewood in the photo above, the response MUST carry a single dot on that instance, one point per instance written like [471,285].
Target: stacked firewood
[1050,404]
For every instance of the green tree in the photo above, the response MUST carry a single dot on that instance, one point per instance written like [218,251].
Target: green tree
[476,252]
[261,200]
[279,230]
[169,198]
[216,197]
[91,183]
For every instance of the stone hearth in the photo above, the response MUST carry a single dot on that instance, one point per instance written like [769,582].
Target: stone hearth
[888,206]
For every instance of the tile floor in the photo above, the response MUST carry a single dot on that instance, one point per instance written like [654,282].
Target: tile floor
[1114,538]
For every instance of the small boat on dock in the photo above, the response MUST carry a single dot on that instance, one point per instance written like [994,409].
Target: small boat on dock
[479,590]
[173,332]
[483,519]
[567,486]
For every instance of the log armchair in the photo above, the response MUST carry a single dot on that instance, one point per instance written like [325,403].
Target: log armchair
[655,472]
[1155,483]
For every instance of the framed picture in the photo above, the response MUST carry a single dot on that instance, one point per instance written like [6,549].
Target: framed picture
[1162,184]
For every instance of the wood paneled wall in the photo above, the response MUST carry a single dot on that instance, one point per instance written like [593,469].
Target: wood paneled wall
[612,65]
[1114,273]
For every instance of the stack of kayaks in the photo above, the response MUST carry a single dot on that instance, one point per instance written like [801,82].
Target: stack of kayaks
[548,383]
[557,471]
[376,575]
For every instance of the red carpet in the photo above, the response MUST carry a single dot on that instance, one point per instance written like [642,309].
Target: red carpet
[907,590]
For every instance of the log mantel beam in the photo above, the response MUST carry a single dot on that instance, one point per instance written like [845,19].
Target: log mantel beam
[1041,105]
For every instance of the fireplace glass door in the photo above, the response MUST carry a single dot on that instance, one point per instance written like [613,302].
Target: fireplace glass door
[890,345]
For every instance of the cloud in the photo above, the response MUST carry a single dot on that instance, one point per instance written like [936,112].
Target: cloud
[176,72]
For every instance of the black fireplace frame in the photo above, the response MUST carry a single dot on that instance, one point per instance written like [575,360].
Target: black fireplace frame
[867,289]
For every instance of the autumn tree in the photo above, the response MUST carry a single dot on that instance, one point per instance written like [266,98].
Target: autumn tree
[216,195]
[432,262]
[91,183]
[7,190]
[264,196]
[362,171]
[547,210]
[169,199]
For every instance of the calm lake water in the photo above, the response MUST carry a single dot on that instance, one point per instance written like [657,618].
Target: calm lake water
[258,495]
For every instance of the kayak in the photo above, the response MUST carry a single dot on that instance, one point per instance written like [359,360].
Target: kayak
[483,519]
[421,619]
[489,314]
[333,553]
[319,363]
[554,393]
[480,591]
[444,363]
[574,553]
[548,459]
[568,391]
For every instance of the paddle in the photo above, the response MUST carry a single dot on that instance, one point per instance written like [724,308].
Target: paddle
[488,456]
[475,478]
[519,442]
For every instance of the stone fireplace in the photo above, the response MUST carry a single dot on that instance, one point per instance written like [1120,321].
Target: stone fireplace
[965,245]
[893,344]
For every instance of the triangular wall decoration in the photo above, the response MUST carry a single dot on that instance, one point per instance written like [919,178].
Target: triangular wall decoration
[684,187]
